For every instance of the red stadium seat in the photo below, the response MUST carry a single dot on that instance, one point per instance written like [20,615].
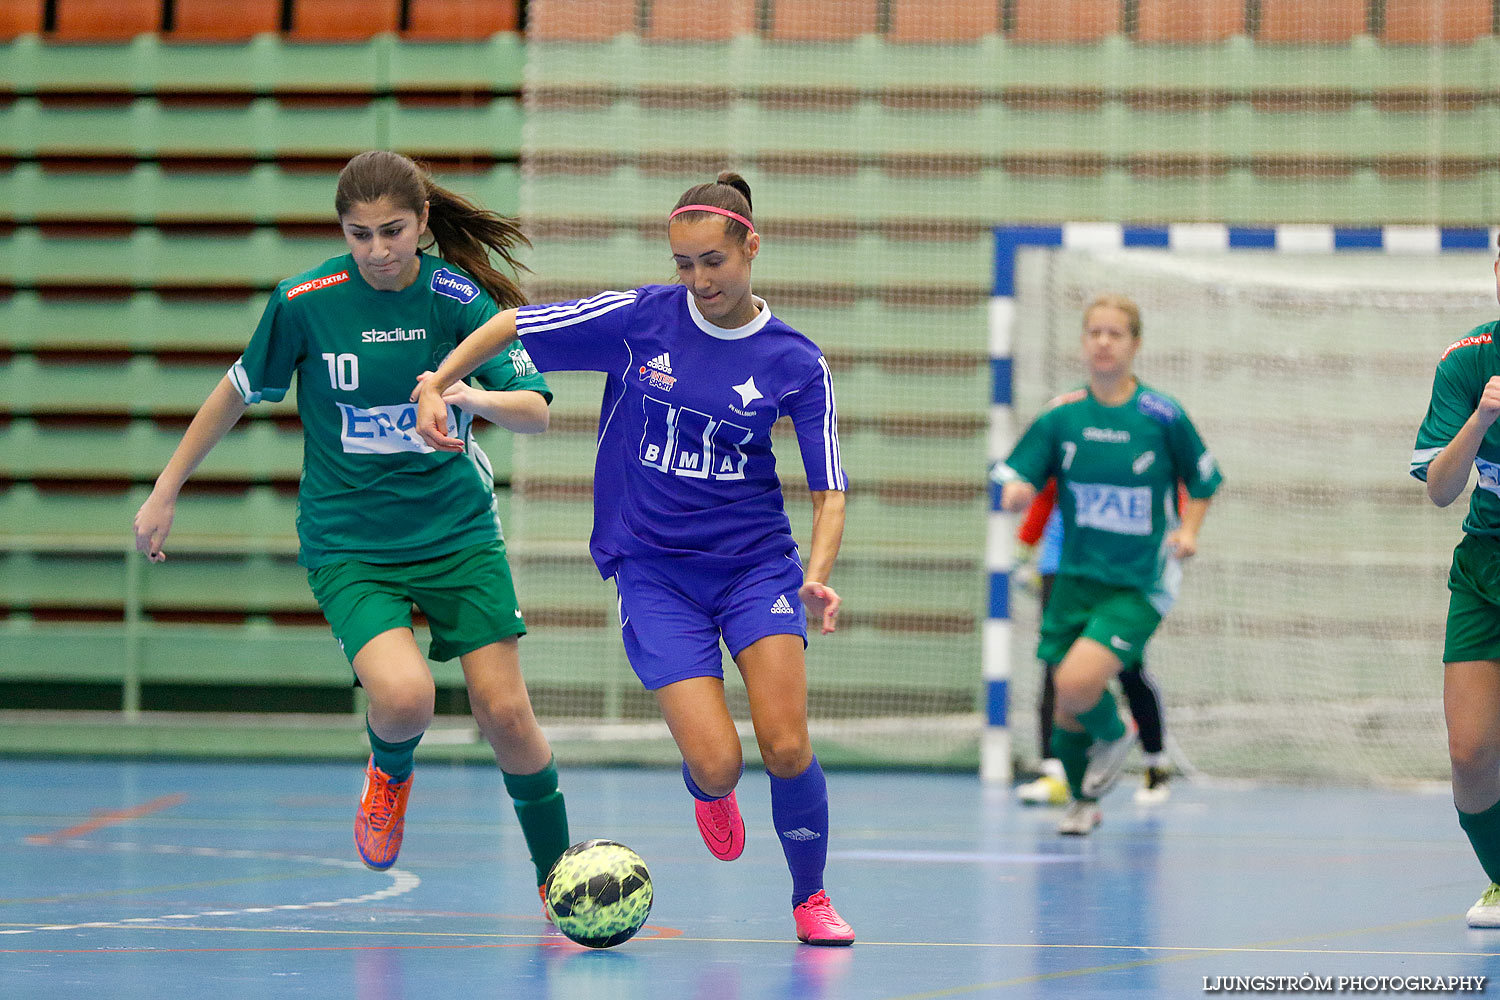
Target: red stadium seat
[1310,21]
[216,21]
[20,17]
[695,20]
[942,21]
[820,21]
[1172,22]
[1065,20]
[343,20]
[105,20]
[579,20]
[460,20]
[1425,22]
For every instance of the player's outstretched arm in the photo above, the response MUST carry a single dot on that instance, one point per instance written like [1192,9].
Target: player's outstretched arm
[827,536]
[520,411]
[478,347]
[219,412]
[1448,473]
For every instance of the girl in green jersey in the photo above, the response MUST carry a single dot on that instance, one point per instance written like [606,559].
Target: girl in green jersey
[1118,450]
[384,521]
[1458,435]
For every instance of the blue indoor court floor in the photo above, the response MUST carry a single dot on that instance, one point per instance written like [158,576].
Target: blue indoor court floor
[163,880]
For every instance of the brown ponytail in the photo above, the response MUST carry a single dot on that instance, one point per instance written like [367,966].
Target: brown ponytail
[730,192]
[464,233]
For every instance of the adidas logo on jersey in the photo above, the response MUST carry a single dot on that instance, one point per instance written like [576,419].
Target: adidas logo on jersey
[782,606]
[801,833]
[662,363]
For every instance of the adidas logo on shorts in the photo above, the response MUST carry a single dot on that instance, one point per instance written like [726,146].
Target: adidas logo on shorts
[662,363]
[782,606]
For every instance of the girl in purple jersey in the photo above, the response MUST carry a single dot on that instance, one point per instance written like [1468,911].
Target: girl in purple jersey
[688,517]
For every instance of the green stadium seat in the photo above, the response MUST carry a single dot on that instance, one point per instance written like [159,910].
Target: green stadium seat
[1310,22]
[493,65]
[216,21]
[455,20]
[139,321]
[942,22]
[1425,22]
[486,126]
[343,20]
[71,451]
[1070,21]
[1172,22]
[20,17]
[818,21]
[579,20]
[695,21]
[105,20]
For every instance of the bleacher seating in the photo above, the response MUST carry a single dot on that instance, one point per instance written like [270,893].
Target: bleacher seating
[1066,20]
[455,20]
[1423,22]
[343,20]
[815,21]
[694,21]
[942,22]
[216,21]
[1306,22]
[105,20]
[20,17]
[1173,22]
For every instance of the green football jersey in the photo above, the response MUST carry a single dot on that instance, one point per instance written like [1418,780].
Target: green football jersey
[1117,469]
[371,488]
[1462,372]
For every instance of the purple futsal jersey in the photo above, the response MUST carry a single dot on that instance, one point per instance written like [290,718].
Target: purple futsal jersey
[684,464]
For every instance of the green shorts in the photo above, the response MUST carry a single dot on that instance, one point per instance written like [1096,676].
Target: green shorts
[467,596]
[1473,631]
[1119,618]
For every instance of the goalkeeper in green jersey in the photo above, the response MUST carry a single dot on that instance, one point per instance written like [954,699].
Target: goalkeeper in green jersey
[1118,449]
[1457,435]
[384,521]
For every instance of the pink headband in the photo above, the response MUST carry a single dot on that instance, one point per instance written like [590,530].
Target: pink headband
[737,217]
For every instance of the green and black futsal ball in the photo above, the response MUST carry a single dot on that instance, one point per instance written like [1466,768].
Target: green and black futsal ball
[599,893]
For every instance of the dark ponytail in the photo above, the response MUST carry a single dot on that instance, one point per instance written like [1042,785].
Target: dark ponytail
[730,192]
[464,233]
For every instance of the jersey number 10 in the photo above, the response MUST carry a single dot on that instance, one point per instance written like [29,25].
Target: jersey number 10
[687,443]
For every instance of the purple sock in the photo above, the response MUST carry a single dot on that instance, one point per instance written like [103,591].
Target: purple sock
[799,810]
[698,793]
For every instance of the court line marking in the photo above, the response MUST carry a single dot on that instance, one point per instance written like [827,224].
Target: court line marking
[110,818]
[402,882]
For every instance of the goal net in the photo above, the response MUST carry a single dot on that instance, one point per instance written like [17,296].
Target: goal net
[1307,643]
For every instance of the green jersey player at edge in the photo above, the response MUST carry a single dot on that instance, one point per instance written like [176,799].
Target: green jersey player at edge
[1118,450]
[384,521]
[1458,434]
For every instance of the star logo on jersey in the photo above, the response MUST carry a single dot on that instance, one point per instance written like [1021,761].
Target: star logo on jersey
[748,392]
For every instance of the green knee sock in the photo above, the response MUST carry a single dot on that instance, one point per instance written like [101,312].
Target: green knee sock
[1483,829]
[1103,721]
[543,815]
[1073,750]
[395,759]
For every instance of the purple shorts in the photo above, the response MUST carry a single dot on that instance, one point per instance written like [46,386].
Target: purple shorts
[672,616]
